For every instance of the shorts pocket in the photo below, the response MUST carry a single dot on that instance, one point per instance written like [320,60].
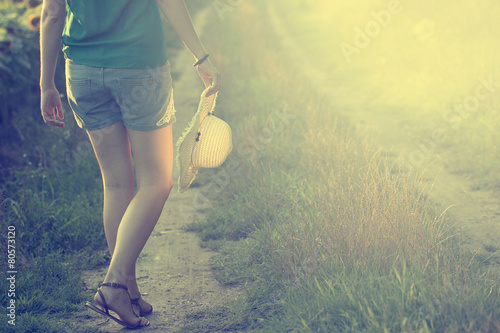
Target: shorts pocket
[80,94]
[136,94]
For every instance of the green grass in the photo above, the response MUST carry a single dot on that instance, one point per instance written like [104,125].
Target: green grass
[315,226]
[58,233]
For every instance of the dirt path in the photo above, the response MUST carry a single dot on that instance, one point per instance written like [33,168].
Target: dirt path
[477,212]
[173,271]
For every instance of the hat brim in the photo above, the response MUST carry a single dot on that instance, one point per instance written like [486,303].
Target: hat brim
[187,141]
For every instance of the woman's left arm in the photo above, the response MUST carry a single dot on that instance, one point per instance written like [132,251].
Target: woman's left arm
[177,14]
[52,25]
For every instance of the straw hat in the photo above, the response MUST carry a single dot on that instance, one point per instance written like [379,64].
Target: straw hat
[205,143]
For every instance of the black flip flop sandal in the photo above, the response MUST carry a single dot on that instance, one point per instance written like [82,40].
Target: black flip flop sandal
[107,314]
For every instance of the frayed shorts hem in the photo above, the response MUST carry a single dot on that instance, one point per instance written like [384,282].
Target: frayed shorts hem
[103,124]
[100,125]
[150,127]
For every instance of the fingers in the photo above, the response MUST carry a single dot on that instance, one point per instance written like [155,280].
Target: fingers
[205,76]
[60,113]
[52,121]
[49,116]
[206,81]
[215,84]
[207,70]
[51,103]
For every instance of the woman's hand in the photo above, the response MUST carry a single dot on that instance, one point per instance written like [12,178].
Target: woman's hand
[207,70]
[52,25]
[51,101]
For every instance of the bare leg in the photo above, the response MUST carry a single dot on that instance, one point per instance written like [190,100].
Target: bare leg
[112,148]
[153,159]
[152,151]
[118,182]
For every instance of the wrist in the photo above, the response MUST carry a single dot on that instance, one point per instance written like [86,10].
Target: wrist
[47,84]
[201,60]
[199,54]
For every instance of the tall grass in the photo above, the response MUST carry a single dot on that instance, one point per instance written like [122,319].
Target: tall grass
[315,224]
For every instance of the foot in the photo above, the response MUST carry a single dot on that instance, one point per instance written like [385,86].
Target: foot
[118,300]
[140,306]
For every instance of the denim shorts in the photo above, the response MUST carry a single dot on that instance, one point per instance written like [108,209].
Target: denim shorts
[140,97]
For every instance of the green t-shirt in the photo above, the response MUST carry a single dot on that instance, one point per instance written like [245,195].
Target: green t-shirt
[114,33]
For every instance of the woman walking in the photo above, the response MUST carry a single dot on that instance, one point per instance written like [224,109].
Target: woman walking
[120,90]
